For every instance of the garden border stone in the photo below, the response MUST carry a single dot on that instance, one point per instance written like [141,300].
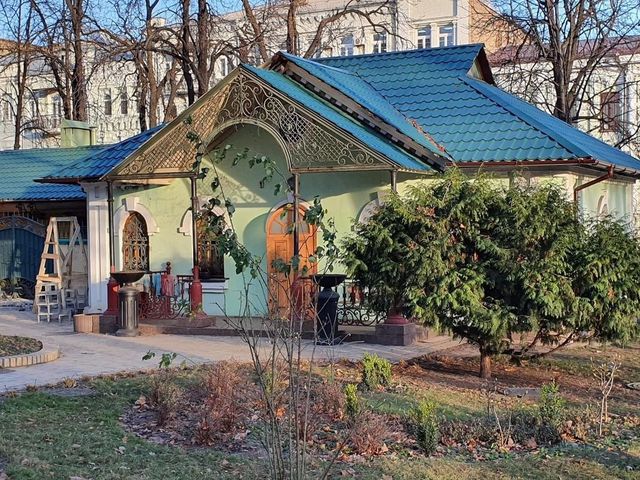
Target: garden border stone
[48,353]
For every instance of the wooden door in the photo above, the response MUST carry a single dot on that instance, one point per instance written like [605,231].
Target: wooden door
[280,247]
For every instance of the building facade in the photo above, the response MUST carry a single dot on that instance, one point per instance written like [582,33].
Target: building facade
[114,93]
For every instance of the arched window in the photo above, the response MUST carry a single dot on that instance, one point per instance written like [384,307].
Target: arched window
[603,207]
[135,243]
[210,259]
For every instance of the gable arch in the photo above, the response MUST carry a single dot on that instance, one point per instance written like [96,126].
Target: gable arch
[212,140]
[311,141]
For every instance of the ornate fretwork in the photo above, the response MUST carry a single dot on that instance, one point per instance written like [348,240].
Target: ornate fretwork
[23,223]
[245,99]
[135,244]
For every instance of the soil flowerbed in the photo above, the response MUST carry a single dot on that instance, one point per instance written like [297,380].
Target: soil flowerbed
[10,345]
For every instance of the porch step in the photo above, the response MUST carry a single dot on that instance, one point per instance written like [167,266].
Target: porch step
[147,330]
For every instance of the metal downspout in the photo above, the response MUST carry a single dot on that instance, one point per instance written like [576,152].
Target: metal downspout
[595,181]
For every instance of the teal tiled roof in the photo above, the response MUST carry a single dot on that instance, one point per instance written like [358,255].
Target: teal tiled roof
[473,120]
[105,160]
[354,87]
[297,92]
[20,167]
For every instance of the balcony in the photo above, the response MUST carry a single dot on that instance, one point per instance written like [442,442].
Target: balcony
[48,124]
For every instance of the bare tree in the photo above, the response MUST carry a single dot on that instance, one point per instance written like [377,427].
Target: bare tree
[64,38]
[17,56]
[563,55]
[286,15]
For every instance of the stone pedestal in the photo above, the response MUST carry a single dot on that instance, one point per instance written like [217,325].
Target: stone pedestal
[396,335]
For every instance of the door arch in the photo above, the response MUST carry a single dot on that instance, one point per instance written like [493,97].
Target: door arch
[280,247]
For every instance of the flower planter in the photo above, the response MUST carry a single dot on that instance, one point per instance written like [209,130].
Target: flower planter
[86,323]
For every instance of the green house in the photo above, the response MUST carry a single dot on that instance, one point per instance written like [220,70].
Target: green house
[346,130]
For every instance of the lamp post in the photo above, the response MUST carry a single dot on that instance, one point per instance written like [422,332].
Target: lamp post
[195,290]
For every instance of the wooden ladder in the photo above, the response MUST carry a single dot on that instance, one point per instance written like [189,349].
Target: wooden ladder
[62,273]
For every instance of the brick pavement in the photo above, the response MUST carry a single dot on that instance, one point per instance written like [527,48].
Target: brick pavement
[91,354]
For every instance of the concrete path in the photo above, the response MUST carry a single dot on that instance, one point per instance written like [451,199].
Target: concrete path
[90,354]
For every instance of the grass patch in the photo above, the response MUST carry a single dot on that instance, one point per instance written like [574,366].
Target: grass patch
[44,436]
[18,345]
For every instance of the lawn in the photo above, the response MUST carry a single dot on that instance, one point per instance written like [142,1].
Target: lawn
[44,435]
[10,345]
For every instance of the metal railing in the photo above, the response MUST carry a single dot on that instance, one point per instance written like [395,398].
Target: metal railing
[164,296]
[354,306]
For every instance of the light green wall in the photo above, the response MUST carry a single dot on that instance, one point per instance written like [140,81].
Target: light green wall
[343,195]
[168,204]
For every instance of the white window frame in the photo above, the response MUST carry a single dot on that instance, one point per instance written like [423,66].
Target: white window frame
[380,42]
[422,40]
[347,49]
[443,38]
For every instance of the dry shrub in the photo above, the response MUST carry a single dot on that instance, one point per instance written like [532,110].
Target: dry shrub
[368,433]
[470,431]
[226,404]
[329,400]
[165,396]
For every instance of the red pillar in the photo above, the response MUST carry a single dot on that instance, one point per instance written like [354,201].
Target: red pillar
[112,297]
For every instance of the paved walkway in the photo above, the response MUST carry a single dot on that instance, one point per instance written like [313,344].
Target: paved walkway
[90,354]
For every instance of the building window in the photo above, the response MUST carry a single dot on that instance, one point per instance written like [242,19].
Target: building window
[610,111]
[225,66]
[7,109]
[56,106]
[424,37]
[210,259]
[106,97]
[446,35]
[34,107]
[124,101]
[347,46]
[380,42]
[135,244]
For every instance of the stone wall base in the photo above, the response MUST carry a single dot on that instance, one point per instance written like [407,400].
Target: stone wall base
[108,324]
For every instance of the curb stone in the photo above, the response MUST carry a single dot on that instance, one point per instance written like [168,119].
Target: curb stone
[48,353]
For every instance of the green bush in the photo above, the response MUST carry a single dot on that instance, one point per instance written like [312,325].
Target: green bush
[424,426]
[551,413]
[352,400]
[375,371]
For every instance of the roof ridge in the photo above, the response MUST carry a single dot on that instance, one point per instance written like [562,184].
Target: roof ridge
[54,149]
[402,52]
[528,120]
[410,122]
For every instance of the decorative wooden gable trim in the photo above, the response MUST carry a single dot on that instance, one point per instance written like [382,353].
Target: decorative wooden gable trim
[352,108]
[309,142]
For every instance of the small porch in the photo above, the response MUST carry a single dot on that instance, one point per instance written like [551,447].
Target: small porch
[164,308]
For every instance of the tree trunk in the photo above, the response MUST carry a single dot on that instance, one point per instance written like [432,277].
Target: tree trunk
[202,48]
[78,78]
[19,113]
[186,53]
[485,364]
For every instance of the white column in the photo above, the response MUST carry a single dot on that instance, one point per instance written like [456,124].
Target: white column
[462,12]
[98,243]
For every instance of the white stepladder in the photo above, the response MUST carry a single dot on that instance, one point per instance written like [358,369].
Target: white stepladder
[56,291]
